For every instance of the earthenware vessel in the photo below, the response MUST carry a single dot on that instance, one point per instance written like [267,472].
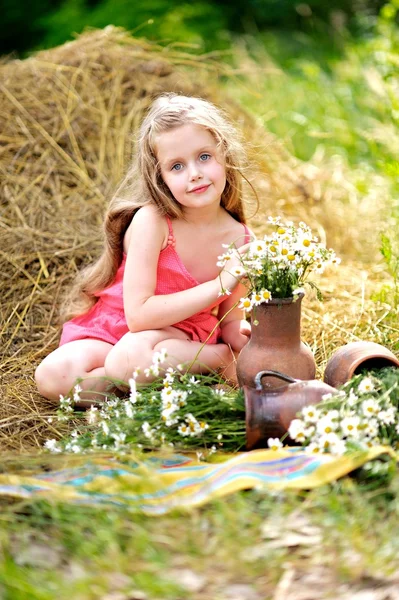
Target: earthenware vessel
[275,344]
[269,411]
[357,357]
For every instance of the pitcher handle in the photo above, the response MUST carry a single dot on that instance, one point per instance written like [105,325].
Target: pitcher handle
[261,374]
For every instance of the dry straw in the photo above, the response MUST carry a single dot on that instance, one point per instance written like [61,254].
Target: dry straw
[66,122]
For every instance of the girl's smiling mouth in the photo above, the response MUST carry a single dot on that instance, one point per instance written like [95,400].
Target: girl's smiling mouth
[199,189]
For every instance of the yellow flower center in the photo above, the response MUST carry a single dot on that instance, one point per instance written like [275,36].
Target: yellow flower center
[291,257]
[284,251]
[281,230]
[306,243]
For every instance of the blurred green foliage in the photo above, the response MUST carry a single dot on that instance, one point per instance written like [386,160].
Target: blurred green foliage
[206,23]
[19,24]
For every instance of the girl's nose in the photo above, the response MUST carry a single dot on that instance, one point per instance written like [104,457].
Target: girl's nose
[195,173]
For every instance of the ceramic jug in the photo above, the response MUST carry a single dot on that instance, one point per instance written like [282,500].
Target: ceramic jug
[276,344]
[269,411]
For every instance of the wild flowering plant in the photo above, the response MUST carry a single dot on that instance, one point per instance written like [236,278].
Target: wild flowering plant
[279,265]
[364,413]
[178,410]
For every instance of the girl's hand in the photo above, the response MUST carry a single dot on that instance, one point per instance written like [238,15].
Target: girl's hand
[234,271]
[245,328]
[236,333]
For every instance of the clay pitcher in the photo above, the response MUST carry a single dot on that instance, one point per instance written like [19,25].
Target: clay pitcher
[269,411]
[355,357]
[275,344]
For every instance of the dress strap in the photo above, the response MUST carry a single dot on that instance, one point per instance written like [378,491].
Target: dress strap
[171,237]
[247,235]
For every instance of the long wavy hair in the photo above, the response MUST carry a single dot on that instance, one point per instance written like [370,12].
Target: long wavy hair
[143,185]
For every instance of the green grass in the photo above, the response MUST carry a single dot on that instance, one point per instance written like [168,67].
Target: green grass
[320,98]
[51,550]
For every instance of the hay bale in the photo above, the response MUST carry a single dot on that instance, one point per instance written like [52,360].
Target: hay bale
[66,122]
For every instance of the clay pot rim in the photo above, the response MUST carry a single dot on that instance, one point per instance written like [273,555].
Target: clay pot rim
[274,301]
[362,359]
[378,352]
[348,370]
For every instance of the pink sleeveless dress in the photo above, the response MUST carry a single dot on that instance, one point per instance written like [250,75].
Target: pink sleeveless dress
[106,319]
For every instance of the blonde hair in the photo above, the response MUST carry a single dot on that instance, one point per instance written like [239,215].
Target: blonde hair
[143,185]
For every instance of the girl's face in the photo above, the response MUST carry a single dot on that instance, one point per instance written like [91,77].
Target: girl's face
[191,165]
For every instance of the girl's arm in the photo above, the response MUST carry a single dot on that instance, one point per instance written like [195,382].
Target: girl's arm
[235,330]
[147,235]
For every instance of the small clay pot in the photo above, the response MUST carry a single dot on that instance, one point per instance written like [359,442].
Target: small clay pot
[355,357]
[269,411]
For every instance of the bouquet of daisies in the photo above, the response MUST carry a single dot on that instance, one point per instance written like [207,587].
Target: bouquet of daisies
[279,264]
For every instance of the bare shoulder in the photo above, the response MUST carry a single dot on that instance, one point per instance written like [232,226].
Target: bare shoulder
[148,214]
[239,233]
[146,222]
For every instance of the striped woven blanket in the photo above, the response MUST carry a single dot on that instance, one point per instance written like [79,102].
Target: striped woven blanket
[156,483]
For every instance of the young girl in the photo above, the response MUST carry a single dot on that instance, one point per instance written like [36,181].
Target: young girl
[157,284]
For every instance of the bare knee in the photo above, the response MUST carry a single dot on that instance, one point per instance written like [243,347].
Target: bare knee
[125,357]
[52,379]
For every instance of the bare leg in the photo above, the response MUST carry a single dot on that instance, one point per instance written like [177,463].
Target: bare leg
[58,372]
[211,357]
[137,349]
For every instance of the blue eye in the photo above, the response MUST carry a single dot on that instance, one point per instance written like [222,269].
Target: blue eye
[205,156]
[177,167]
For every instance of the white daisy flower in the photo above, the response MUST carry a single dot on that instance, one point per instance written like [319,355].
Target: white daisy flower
[371,428]
[256,299]
[327,441]
[238,271]
[265,295]
[52,446]
[219,392]
[184,430]
[313,448]
[133,390]
[129,410]
[256,247]
[370,407]
[366,385]
[159,358]
[350,426]
[310,414]
[274,443]
[352,399]
[297,430]
[223,259]
[92,415]
[76,393]
[246,304]
[326,425]
[387,416]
